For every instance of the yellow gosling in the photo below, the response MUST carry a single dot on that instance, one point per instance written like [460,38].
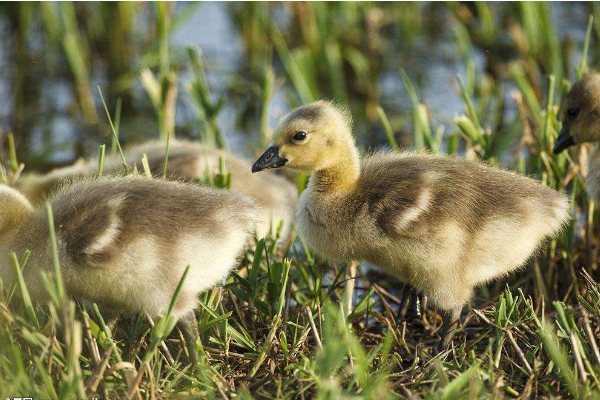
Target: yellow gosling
[580,117]
[124,243]
[442,224]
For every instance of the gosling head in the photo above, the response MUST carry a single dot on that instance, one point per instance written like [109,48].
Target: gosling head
[311,138]
[14,209]
[580,114]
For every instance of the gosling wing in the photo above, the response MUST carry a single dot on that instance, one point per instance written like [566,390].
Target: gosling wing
[89,230]
[411,194]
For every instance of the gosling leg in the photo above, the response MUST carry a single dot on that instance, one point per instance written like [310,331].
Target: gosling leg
[405,300]
[450,320]
[111,320]
[109,316]
[349,287]
[189,327]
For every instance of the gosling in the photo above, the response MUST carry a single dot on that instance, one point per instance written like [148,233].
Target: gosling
[442,224]
[124,243]
[275,196]
[580,117]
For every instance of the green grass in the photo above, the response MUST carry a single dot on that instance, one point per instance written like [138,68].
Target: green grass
[280,326]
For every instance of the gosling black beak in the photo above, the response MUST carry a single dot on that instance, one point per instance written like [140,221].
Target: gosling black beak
[563,141]
[270,159]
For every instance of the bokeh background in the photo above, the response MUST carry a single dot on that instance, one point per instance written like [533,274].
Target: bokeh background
[53,56]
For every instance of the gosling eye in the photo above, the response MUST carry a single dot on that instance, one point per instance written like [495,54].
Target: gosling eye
[572,112]
[299,137]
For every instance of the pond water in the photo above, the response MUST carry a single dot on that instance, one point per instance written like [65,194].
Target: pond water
[37,99]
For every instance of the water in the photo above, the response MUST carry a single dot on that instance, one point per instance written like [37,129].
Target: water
[53,132]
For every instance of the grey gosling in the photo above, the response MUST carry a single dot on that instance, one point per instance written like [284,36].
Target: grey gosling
[580,117]
[442,224]
[275,196]
[124,243]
